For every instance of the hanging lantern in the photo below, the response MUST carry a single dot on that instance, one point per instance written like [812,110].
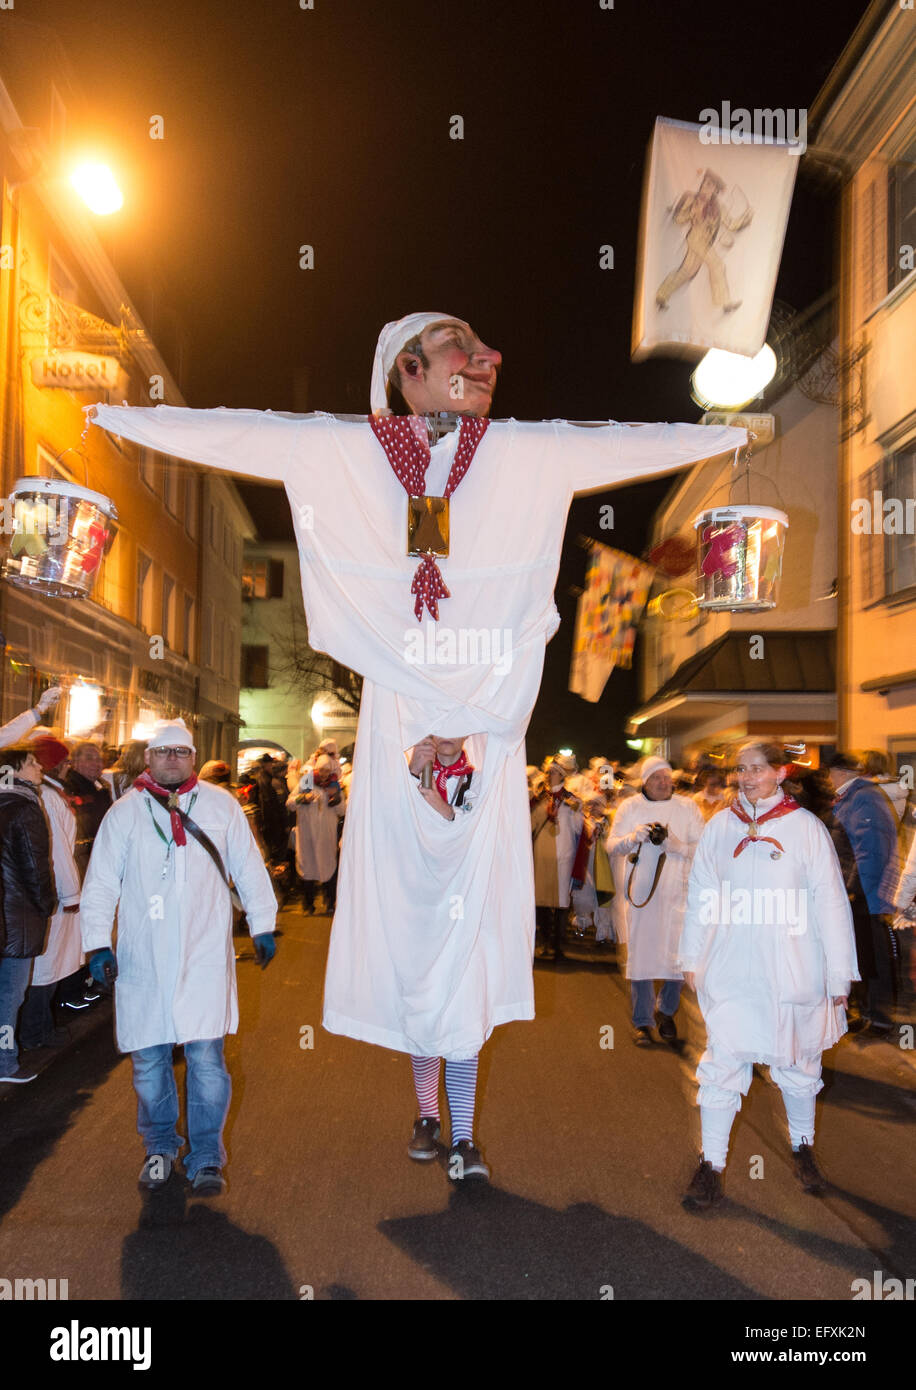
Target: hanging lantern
[60,535]
[739,557]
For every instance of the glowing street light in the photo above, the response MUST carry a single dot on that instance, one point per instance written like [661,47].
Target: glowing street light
[95,183]
[727,381]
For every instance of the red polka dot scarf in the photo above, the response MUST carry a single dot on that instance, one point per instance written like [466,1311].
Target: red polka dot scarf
[404,439]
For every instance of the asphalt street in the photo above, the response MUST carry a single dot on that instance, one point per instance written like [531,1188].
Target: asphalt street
[591,1146]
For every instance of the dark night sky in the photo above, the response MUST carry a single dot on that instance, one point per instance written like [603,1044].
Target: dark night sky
[330,127]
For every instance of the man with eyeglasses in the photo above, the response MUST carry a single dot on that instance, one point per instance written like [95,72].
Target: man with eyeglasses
[175,963]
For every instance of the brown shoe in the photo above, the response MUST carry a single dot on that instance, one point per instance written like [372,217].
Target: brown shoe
[704,1191]
[807,1171]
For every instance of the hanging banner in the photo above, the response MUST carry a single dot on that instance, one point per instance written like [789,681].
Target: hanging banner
[616,589]
[715,207]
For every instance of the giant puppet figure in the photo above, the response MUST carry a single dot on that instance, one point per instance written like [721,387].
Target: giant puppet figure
[433,936]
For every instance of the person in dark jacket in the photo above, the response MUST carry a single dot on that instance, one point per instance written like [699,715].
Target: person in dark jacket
[27,896]
[89,797]
[812,790]
[865,814]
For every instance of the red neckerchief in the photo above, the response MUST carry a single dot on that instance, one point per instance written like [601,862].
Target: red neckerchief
[404,439]
[553,803]
[145,780]
[783,808]
[459,768]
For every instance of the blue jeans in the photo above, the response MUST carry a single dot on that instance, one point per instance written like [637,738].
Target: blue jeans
[14,981]
[209,1092]
[642,995]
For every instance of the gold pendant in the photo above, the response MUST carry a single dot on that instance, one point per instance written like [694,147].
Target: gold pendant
[173,801]
[427,526]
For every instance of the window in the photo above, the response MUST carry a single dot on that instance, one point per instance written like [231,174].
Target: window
[254,668]
[262,579]
[227,545]
[144,591]
[888,551]
[190,504]
[147,467]
[901,216]
[188,630]
[206,637]
[168,613]
[61,282]
[171,483]
[216,526]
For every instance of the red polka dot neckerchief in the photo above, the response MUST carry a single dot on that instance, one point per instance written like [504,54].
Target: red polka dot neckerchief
[783,808]
[404,439]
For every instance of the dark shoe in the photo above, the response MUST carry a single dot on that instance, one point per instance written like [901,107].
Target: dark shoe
[643,1037]
[807,1171]
[91,996]
[208,1182]
[155,1172]
[76,1005]
[705,1190]
[423,1146]
[667,1030]
[19,1077]
[464,1161]
[59,1038]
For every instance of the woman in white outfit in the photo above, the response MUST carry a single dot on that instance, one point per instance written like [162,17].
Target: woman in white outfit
[768,944]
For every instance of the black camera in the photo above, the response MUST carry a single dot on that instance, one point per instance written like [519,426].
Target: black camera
[657,833]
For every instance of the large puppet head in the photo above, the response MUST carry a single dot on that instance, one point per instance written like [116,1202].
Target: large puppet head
[437,363]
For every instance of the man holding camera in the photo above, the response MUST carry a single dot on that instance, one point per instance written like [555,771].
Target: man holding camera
[658,832]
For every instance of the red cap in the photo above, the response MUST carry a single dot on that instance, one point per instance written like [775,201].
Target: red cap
[49,751]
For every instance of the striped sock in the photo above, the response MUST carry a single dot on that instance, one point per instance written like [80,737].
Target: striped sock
[461,1089]
[426,1084]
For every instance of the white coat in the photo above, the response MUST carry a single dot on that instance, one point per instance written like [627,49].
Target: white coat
[906,888]
[768,967]
[63,953]
[316,834]
[555,844]
[653,931]
[176,964]
[585,899]
[433,937]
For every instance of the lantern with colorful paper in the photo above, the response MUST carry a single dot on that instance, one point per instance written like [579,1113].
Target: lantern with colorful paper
[739,557]
[56,535]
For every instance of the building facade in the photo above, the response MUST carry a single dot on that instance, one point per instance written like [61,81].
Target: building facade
[711,680]
[71,336]
[865,125]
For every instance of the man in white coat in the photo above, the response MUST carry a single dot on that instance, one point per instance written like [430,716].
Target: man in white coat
[556,825]
[654,888]
[319,810]
[768,944]
[175,963]
[406,968]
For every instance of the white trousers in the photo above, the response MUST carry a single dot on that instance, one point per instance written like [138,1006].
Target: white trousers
[724,1080]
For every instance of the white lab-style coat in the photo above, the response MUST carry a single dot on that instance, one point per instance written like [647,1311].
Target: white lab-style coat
[555,844]
[432,941]
[64,952]
[316,833]
[176,964]
[906,888]
[653,931]
[770,939]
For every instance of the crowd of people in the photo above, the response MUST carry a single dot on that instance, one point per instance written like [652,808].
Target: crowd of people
[790,937]
[54,797]
[664,863]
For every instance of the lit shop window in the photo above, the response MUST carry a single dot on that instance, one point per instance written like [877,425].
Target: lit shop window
[262,579]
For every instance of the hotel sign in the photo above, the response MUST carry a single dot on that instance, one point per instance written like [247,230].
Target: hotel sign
[78,371]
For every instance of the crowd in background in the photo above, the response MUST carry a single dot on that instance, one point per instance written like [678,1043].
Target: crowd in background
[869,813]
[54,795]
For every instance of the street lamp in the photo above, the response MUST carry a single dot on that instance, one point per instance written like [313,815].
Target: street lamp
[95,183]
[727,381]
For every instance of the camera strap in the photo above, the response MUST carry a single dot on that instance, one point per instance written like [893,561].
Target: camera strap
[204,840]
[634,860]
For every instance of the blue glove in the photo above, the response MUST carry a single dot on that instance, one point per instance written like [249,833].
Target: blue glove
[575,883]
[103,966]
[265,948]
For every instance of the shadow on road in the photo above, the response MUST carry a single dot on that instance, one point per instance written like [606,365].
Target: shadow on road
[36,1116]
[193,1251]
[490,1244]
[879,1100]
